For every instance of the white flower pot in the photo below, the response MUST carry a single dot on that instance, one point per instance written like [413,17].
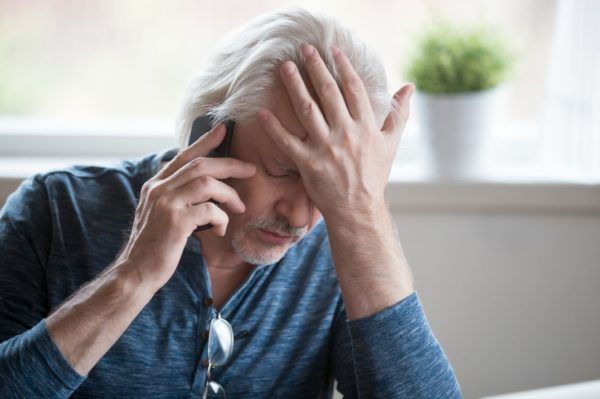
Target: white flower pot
[456,129]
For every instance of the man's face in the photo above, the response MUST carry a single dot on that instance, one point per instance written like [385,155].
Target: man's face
[278,211]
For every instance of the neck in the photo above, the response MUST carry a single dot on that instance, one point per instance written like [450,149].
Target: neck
[219,254]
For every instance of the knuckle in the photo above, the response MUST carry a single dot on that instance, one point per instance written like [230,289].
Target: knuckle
[194,163]
[210,208]
[168,213]
[312,60]
[329,153]
[355,85]
[162,205]
[179,156]
[146,187]
[153,192]
[348,133]
[197,163]
[337,156]
[171,216]
[286,144]
[307,108]
[206,182]
[329,88]
[213,210]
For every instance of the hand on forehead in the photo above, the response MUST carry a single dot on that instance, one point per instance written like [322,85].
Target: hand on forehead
[281,106]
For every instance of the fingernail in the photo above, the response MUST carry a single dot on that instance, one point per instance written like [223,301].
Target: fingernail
[263,115]
[288,67]
[307,50]
[336,51]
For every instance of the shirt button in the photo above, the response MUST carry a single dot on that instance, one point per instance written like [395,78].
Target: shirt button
[205,363]
[207,302]
[204,335]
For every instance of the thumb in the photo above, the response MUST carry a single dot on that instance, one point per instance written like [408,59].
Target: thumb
[396,119]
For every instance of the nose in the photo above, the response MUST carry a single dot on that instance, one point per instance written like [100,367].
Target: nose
[296,207]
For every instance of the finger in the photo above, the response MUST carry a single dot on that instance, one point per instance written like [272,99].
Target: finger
[398,116]
[207,188]
[287,142]
[353,89]
[209,213]
[329,94]
[218,168]
[306,108]
[200,148]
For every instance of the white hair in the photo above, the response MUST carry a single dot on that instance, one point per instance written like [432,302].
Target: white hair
[240,75]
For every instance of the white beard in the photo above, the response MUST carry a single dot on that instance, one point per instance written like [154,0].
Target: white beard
[261,254]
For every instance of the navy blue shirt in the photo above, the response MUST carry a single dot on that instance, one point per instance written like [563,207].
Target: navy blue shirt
[61,229]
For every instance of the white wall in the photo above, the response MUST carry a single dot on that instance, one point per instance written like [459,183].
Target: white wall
[511,292]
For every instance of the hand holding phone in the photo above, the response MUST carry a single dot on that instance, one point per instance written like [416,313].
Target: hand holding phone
[202,125]
[175,201]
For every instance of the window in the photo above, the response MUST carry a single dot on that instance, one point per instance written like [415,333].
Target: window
[75,72]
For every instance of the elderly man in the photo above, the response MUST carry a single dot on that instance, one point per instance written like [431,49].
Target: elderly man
[268,273]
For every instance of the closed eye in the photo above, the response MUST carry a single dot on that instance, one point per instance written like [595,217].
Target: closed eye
[282,171]
[276,176]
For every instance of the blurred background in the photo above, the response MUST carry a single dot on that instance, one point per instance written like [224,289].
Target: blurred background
[507,259]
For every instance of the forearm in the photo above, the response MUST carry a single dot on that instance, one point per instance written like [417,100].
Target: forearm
[392,342]
[87,325]
[371,267]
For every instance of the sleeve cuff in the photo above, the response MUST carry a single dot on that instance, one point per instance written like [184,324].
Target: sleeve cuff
[406,308]
[54,358]
[395,351]
[32,366]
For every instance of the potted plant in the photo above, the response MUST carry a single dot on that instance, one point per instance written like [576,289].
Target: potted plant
[457,72]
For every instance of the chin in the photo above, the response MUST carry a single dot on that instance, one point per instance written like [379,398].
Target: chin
[255,252]
[256,256]
[256,248]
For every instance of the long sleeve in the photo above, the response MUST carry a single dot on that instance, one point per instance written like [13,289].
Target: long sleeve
[30,363]
[392,354]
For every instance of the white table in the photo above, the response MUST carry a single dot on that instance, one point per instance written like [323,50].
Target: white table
[584,390]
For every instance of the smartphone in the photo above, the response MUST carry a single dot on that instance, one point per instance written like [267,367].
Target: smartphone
[201,126]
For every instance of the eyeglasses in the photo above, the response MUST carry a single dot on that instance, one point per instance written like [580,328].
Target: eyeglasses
[220,346]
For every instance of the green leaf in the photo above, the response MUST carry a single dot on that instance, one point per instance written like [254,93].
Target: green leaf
[451,59]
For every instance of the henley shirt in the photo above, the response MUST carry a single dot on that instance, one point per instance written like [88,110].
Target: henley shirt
[292,338]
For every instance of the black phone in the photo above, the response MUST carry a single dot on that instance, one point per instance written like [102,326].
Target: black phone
[201,126]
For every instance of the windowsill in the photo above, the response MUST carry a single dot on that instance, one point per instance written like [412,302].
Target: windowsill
[514,184]
[410,189]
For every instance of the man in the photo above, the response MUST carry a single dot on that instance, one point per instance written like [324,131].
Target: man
[299,281]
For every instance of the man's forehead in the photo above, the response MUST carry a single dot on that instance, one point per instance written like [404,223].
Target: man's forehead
[255,145]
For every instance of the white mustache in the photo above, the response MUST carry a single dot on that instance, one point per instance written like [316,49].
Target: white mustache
[280,227]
